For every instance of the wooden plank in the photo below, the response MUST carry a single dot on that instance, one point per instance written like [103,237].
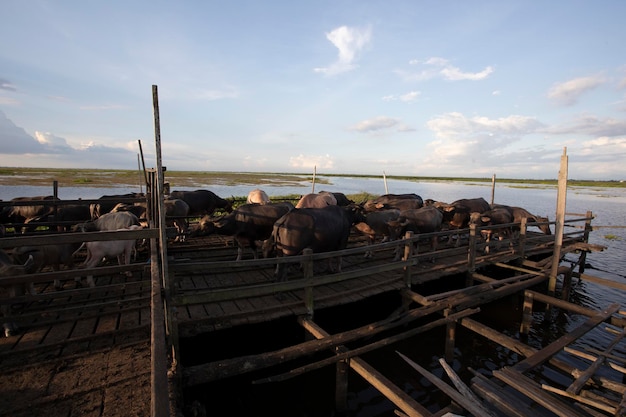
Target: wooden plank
[553,348]
[503,400]
[386,387]
[532,390]
[474,407]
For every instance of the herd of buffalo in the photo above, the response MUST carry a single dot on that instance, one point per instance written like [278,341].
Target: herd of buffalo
[320,221]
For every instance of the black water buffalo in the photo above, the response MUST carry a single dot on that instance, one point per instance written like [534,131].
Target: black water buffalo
[519,213]
[377,224]
[342,199]
[320,229]
[247,224]
[428,219]
[317,200]
[109,201]
[202,202]
[52,256]
[493,217]
[30,213]
[394,201]
[456,215]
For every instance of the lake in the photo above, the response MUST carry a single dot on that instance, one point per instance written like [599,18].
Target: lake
[607,204]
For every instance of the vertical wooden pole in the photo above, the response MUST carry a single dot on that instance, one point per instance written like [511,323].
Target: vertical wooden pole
[471,255]
[408,252]
[583,254]
[527,313]
[522,237]
[560,219]
[493,188]
[314,172]
[450,341]
[341,383]
[160,399]
[385,181]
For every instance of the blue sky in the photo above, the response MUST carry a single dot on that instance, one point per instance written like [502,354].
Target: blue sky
[424,88]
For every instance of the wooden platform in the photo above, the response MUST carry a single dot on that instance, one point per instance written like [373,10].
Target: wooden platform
[210,291]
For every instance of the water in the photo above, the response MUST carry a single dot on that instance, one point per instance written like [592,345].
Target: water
[607,205]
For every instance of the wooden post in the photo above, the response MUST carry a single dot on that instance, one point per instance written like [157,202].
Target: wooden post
[385,181]
[560,218]
[522,237]
[527,313]
[408,252]
[493,188]
[450,341]
[314,172]
[471,255]
[160,391]
[307,265]
[583,254]
[341,383]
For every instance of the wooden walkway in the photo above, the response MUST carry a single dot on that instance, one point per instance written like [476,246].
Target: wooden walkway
[109,326]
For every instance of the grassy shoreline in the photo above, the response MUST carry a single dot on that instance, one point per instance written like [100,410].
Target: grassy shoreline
[111,177]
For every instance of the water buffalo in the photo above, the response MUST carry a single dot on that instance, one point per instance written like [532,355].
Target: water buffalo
[519,213]
[342,199]
[394,201]
[320,229]
[247,224]
[493,217]
[109,221]
[121,249]
[457,214]
[109,201]
[257,196]
[377,224]
[202,202]
[32,212]
[319,200]
[427,219]
[48,256]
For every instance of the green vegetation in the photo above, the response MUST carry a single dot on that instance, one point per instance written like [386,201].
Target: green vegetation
[612,237]
[108,178]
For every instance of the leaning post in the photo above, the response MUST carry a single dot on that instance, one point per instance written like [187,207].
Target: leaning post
[560,219]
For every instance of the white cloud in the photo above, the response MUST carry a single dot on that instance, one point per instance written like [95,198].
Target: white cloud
[568,92]
[591,125]
[349,41]
[441,67]
[375,124]
[409,97]
[309,162]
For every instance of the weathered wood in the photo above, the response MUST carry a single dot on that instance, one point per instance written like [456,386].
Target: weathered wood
[367,348]
[554,347]
[401,399]
[198,374]
[532,390]
[468,403]
[577,385]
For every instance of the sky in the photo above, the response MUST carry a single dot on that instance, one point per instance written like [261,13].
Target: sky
[415,87]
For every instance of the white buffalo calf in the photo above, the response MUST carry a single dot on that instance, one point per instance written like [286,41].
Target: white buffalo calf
[121,249]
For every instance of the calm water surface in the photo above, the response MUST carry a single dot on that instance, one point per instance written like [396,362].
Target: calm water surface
[608,205]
